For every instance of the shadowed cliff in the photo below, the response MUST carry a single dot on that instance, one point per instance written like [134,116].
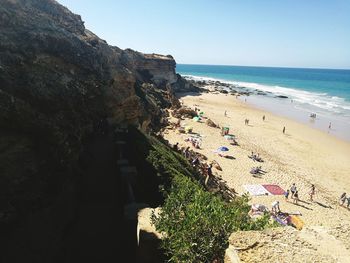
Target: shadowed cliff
[57,81]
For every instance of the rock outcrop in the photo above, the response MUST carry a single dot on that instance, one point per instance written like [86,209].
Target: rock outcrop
[57,80]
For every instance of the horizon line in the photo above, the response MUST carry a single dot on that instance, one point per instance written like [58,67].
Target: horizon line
[195,64]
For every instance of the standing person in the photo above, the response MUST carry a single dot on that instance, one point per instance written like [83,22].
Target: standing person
[225,113]
[296,197]
[275,207]
[312,192]
[330,125]
[284,129]
[209,173]
[286,195]
[293,189]
[264,118]
[342,198]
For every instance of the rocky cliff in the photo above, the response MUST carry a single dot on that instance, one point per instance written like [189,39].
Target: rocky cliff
[57,79]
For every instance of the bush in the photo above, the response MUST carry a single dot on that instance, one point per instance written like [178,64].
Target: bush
[197,224]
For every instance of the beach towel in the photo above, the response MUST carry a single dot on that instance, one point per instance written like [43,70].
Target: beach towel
[273,189]
[296,222]
[256,189]
[279,220]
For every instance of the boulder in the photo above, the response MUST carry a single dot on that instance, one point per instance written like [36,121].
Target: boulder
[184,112]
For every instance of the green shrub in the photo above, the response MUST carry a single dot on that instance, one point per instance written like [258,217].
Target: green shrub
[197,224]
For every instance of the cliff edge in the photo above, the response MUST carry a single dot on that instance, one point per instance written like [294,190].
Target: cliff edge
[57,80]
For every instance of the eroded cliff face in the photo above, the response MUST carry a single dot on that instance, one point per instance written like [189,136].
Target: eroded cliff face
[57,79]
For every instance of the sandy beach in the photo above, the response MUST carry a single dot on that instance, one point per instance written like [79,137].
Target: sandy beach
[302,155]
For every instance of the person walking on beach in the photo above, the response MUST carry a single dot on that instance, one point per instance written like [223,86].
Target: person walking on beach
[284,130]
[225,113]
[312,192]
[264,118]
[293,189]
[330,125]
[286,195]
[296,197]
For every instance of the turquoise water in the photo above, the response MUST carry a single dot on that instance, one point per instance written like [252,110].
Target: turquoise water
[322,91]
[328,89]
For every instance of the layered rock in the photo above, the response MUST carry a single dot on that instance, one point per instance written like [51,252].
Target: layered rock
[57,79]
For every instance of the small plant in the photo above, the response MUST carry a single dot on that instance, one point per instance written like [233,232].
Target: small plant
[197,224]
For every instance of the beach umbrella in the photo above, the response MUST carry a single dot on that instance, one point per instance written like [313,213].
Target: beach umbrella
[222,149]
[196,118]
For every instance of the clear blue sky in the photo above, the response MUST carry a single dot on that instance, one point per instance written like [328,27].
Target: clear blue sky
[288,33]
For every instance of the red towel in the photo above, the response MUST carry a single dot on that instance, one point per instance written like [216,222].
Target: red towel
[273,189]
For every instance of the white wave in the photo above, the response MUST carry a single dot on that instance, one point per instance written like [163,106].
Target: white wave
[322,101]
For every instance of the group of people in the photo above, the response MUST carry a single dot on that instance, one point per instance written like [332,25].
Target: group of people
[196,142]
[293,191]
[194,160]
[294,194]
[344,198]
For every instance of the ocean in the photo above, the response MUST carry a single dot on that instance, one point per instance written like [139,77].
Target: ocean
[325,92]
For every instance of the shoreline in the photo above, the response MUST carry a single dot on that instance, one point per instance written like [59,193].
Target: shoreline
[297,115]
[303,155]
[280,105]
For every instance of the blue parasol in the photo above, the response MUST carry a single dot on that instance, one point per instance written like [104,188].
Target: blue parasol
[222,149]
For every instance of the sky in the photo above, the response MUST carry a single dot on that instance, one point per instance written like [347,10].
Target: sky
[288,33]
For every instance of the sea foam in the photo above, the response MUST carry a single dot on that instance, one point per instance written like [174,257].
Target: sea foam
[309,101]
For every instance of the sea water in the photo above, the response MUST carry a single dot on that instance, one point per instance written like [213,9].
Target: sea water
[325,92]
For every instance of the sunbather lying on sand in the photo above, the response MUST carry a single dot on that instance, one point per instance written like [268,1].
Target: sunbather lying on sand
[257,170]
[255,157]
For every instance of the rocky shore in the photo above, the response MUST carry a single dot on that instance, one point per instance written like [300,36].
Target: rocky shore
[215,86]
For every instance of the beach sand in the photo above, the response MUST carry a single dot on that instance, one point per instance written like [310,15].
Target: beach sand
[302,155]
